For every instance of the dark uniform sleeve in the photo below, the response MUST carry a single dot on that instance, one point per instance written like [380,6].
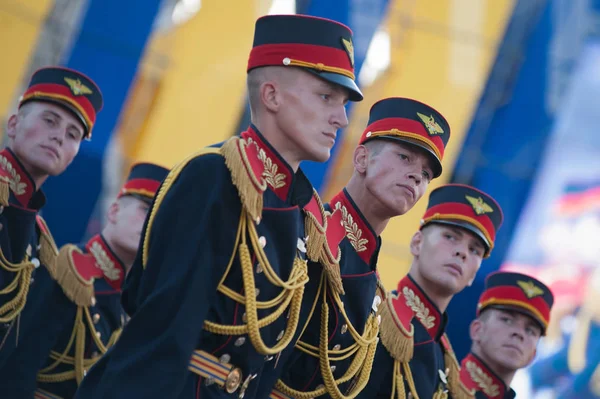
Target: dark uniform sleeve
[176,287]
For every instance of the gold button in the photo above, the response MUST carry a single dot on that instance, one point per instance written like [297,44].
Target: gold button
[344,328]
[337,347]
[233,380]
[96,318]
[262,241]
[240,341]
[225,358]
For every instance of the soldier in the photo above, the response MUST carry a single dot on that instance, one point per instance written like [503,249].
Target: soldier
[414,358]
[97,314]
[513,312]
[398,154]
[56,112]
[216,290]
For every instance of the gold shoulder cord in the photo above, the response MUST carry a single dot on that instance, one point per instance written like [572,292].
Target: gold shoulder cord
[363,351]
[457,389]
[79,363]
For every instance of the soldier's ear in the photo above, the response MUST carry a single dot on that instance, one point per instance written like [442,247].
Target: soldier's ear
[475,330]
[416,242]
[11,126]
[112,213]
[270,95]
[361,159]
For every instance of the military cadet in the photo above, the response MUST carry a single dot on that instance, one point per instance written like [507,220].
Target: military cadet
[55,113]
[102,263]
[414,358]
[513,312]
[398,154]
[574,370]
[216,290]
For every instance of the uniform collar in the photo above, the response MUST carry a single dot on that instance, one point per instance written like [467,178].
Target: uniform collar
[277,172]
[113,270]
[358,231]
[423,308]
[24,193]
[475,374]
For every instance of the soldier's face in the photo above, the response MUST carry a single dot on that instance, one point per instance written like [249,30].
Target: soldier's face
[447,257]
[310,113]
[45,137]
[506,340]
[396,175]
[127,216]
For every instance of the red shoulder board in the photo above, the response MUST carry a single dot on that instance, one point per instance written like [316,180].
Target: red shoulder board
[76,272]
[335,234]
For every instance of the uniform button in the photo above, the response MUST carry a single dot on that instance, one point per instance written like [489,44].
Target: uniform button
[95,354]
[98,334]
[268,358]
[245,318]
[301,245]
[225,358]
[35,262]
[332,368]
[257,292]
[262,241]
[259,269]
[96,318]
[93,301]
[31,280]
[369,135]
[233,380]
[337,347]
[280,335]
[240,341]
[376,303]
[344,328]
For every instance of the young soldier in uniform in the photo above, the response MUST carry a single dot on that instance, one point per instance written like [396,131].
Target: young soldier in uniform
[215,293]
[56,112]
[513,312]
[398,154]
[414,358]
[97,316]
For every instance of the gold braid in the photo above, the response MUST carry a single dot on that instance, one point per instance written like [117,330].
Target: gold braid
[23,270]
[364,351]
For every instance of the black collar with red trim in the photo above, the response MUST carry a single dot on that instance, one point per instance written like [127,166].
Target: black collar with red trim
[475,374]
[358,230]
[424,310]
[24,193]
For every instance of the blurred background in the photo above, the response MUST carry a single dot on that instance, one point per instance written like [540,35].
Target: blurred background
[518,80]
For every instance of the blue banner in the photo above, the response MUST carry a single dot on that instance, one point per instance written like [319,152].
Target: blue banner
[107,49]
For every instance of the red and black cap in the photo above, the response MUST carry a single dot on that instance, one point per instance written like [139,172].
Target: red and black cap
[412,122]
[518,292]
[466,207]
[68,88]
[322,46]
[144,180]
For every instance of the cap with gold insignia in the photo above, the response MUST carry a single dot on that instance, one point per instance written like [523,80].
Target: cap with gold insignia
[465,206]
[143,181]
[519,292]
[412,122]
[322,46]
[68,88]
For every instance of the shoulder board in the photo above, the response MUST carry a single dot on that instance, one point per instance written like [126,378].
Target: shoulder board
[396,330]
[457,389]
[246,168]
[5,180]
[164,188]
[48,249]
[331,253]
[75,273]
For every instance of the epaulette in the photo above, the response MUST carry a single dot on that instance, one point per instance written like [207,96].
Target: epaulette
[315,227]
[396,330]
[246,168]
[5,182]
[75,273]
[331,253]
[457,388]
[48,251]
